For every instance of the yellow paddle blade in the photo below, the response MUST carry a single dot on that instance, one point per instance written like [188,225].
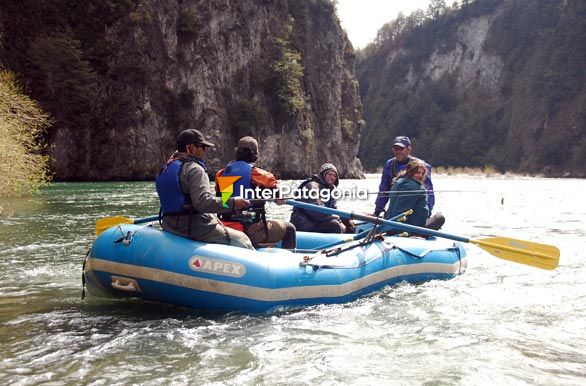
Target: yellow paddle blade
[104,223]
[524,252]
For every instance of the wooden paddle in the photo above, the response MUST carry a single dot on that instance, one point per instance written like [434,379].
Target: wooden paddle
[520,251]
[104,223]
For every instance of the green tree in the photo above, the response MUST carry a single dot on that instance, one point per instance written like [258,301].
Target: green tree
[69,82]
[288,74]
[23,169]
[436,8]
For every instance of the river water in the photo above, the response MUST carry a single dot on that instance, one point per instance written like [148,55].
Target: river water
[499,323]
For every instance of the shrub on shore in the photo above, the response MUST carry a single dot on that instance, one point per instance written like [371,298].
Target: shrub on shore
[23,168]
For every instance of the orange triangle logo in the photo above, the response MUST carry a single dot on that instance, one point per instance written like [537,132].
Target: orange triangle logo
[227,183]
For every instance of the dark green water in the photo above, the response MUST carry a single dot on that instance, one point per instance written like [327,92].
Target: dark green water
[499,323]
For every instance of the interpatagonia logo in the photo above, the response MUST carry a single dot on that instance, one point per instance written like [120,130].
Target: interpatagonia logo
[227,188]
[325,194]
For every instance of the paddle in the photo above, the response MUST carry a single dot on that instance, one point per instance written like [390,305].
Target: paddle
[104,223]
[524,252]
[364,233]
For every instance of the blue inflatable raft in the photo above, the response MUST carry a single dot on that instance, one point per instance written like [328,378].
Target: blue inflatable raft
[145,262]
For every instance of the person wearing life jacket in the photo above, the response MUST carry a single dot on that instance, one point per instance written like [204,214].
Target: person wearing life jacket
[409,193]
[188,205]
[262,232]
[394,166]
[312,191]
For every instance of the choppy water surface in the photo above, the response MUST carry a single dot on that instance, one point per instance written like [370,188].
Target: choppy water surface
[499,323]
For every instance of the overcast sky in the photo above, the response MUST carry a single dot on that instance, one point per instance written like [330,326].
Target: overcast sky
[363,18]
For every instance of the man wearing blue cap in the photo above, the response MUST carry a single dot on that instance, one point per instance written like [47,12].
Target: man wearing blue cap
[402,156]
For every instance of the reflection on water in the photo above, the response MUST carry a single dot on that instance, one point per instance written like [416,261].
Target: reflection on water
[499,323]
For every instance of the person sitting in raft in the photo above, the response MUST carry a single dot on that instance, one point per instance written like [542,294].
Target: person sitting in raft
[397,165]
[262,232]
[311,192]
[187,202]
[409,193]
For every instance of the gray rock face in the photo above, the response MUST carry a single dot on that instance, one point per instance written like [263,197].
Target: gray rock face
[471,64]
[468,60]
[210,65]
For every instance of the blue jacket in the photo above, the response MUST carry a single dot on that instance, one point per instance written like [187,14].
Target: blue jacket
[300,216]
[409,194]
[390,172]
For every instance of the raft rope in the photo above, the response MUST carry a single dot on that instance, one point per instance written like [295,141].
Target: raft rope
[421,255]
[459,258]
[368,240]
[307,259]
[377,237]
[83,274]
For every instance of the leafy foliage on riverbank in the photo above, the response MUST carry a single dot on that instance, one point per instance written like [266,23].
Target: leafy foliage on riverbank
[23,169]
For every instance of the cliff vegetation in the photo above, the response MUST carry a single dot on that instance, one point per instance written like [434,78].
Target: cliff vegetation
[122,78]
[480,83]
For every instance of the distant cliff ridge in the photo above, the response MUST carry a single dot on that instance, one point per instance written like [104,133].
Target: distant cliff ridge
[138,74]
[491,82]
[470,64]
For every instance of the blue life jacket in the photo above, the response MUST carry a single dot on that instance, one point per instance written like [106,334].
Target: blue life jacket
[242,169]
[172,198]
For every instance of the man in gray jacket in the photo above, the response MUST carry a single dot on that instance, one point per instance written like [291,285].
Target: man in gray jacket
[187,201]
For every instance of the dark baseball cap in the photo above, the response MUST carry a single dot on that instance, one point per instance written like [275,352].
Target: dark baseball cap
[191,136]
[247,143]
[402,141]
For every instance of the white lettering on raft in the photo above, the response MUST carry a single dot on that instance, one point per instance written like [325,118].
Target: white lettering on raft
[216,266]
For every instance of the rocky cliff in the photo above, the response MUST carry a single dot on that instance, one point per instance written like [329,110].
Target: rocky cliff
[470,64]
[491,83]
[282,71]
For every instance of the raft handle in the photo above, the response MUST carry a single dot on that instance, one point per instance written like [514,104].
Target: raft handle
[125,284]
